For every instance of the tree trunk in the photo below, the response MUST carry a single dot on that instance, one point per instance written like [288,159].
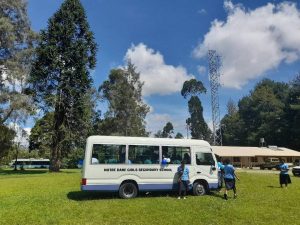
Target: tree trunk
[55,161]
[16,160]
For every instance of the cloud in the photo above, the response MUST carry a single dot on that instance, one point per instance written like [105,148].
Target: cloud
[201,70]
[156,122]
[252,42]
[202,11]
[210,124]
[9,81]
[22,134]
[28,130]
[159,78]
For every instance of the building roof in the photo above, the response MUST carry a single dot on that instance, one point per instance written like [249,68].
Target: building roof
[239,151]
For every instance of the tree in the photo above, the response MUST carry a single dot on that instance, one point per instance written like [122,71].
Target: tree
[179,136]
[126,109]
[293,113]
[16,52]
[158,134]
[167,132]
[40,138]
[233,130]
[196,123]
[6,140]
[61,77]
[231,107]
[192,87]
[198,126]
[263,113]
[270,111]
[232,126]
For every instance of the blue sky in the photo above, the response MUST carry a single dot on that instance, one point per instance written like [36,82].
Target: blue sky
[168,40]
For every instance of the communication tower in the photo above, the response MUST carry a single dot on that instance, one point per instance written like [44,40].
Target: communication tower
[214,64]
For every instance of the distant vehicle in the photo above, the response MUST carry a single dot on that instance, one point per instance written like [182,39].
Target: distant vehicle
[271,163]
[31,163]
[129,165]
[296,171]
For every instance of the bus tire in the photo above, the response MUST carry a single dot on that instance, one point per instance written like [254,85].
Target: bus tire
[199,188]
[128,190]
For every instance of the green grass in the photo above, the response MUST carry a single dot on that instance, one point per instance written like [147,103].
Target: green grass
[39,197]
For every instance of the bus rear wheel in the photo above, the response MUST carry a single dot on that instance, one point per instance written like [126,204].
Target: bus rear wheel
[199,189]
[128,190]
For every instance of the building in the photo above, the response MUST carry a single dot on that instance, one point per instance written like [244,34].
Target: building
[254,156]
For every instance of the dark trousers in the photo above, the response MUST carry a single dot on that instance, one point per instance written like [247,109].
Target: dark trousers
[182,183]
[284,179]
[221,179]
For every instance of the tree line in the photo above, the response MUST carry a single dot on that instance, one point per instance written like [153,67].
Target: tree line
[270,111]
[48,75]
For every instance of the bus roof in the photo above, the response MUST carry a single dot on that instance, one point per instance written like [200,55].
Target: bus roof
[31,159]
[145,140]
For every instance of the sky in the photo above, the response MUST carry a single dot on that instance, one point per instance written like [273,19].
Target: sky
[168,40]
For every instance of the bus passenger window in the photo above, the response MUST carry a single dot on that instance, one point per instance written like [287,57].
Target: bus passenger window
[108,154]
[95,159]
[140,154]
[177,154]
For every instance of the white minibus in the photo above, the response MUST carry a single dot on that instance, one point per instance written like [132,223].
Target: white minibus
[129,165]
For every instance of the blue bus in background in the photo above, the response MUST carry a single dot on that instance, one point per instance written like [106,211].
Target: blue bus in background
[31,163]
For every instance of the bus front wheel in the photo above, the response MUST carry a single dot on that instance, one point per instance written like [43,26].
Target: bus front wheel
[199,189]
[128,190]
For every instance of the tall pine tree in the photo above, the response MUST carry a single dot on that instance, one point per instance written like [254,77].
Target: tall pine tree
[61,77]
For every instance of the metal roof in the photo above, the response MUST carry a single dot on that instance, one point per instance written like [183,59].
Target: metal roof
[240,151]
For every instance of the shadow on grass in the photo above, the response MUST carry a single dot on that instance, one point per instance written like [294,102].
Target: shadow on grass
[20,172]
[96,195]
[91,195]
[271,186]
[69,171]
[217,194]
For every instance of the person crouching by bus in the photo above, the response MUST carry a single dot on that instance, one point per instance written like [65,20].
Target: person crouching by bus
[183,179]
[284,177]
[229,178]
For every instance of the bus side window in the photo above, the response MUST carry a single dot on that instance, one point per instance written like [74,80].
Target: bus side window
[140,154]
[108,154]
[177,154]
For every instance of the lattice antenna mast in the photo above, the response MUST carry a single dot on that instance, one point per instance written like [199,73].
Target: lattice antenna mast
[214,64]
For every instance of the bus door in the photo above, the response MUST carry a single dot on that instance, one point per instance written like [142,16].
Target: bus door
[205,164]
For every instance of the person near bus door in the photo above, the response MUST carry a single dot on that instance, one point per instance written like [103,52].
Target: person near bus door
[183,179]
[229,178]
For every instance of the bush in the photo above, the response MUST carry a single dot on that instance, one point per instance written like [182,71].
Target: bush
[71,161]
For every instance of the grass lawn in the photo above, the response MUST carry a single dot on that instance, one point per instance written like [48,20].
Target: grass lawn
[39,197]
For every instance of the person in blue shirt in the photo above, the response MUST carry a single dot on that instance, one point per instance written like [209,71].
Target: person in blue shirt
[183,179]
[229,178]
[284,177]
